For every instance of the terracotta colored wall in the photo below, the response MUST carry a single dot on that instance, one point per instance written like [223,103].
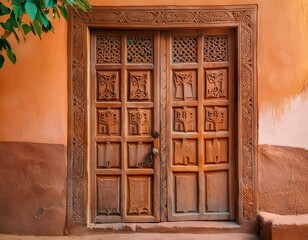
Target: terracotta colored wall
[33,108]
[34,92]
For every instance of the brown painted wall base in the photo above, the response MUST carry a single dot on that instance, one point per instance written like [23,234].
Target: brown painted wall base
[283,180]
[33,188]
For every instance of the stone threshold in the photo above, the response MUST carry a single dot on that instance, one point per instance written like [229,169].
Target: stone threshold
[176,227]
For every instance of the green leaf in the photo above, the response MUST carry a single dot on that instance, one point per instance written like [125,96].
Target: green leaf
[16,2]
[1,61]
[32,28]
[17,10]
[6,44]
[50,3]
[63,11]
[16,36]
[1,44]
[37,27]
[3,9]
[8,25]
[31,9]
[55,13]
[26,28]
[11,55]
[43,17]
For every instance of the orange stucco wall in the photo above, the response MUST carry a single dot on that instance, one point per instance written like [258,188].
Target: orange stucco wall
[33,93]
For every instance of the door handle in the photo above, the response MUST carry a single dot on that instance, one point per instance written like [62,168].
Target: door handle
[149,158]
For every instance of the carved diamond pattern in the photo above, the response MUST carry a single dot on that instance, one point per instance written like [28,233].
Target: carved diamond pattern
[215,48]
[108,50]
[139,50]
[184,49]
[139,83]
[216,84]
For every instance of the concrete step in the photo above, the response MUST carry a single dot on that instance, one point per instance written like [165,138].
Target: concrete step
[140,236]
[283,227]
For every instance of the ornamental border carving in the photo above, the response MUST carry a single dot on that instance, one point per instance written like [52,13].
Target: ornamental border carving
[243,18]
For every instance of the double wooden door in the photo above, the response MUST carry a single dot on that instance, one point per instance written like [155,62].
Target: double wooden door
[128,113]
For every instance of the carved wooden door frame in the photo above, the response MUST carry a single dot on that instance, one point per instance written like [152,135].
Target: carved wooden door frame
[242,18]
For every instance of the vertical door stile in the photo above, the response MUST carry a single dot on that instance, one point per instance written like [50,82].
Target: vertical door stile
[163,125]
[170,189]
[200,87]
[156,140]
[232,124]
[124,124]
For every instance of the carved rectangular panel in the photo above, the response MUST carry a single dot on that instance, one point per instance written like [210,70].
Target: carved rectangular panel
[185,151]
[216,191]
[184,49]
[184,85]
[108,195]
[185,119]
[139,121]
[109,121]
[108,83]
[139,197]
[216,118]
[109,155]
[216,83]
[137,154]
[139,49]
[139,85]
[215,48]
[108,49]
[186,192]
[216,150]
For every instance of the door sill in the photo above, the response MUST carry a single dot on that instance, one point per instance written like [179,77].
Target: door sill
[176,227]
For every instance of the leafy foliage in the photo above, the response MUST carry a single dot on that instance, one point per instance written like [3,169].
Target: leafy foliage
[40,13]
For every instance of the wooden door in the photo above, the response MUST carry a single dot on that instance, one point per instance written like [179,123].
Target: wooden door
[126,75]
[201,125]
[124,117]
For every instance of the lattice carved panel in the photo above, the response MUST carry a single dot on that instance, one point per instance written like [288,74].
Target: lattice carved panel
[108,86]
[215,48]
[184,49]
[108,50]
[139,50]
[216,83]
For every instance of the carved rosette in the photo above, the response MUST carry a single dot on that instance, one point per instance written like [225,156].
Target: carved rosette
[241,17]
